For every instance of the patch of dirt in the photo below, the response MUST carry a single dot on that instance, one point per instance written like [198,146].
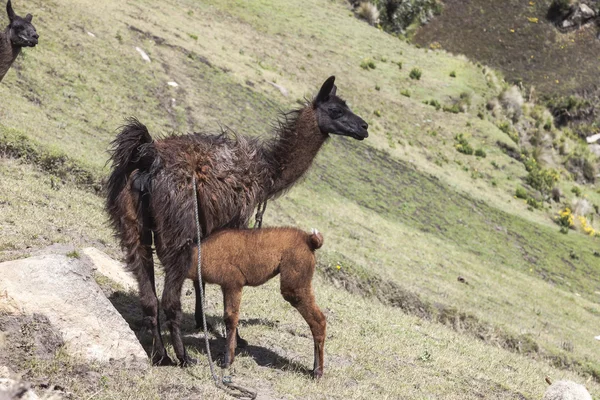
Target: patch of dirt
[27,337]
[518,39]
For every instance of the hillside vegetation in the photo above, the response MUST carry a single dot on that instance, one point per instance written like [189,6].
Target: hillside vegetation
[404,213]
[523,40]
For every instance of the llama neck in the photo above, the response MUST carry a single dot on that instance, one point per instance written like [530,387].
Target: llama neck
[293,152]
[8,53]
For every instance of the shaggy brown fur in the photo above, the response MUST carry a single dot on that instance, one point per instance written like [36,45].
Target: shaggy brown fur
[150,195]
[18,34]
[233,259]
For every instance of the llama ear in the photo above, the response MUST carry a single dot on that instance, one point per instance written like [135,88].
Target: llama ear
[29,18]
[10,11]
[327,90]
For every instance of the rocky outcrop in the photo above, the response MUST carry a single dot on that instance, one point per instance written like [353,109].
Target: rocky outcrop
[579,14]
[63,290]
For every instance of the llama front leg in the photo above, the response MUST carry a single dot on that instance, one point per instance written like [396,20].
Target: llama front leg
[303,300]
[232,297]
[241,343]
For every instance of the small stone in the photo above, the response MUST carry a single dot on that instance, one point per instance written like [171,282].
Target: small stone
[143,54]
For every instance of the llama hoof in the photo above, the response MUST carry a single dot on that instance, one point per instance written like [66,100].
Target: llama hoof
[162,361]
[317,374]
[188,362]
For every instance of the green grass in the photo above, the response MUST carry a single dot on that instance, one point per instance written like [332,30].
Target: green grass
[402,207]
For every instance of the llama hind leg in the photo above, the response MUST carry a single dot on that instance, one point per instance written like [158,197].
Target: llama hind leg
[175,275]
[303,300]
[142,265]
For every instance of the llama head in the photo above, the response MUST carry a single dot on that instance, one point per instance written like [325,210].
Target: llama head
[334,116]
[20,30]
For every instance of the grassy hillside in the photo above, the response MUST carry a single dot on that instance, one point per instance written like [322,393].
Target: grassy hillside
[404,214]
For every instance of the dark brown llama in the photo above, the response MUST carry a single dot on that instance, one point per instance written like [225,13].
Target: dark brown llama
[234,258]
[18,34]
[151,198]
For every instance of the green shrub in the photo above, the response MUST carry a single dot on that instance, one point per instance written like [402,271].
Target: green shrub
[541,179]
[399,64]
[504,126]
[462,145]
[368,64]
[454,109]
[453,74]
[405,93]
[480,153]
[377,87]
[521,193]
[576,191]
[195,37]
[434,103]
[415,73]
[534,203]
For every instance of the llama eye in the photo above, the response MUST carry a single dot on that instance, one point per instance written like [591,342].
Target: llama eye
[336,113]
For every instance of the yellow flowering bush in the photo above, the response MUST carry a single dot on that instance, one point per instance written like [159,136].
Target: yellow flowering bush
[587,228]
[565,219]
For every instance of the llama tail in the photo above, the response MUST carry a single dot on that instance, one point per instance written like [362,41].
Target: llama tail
[132,149]
[315,240]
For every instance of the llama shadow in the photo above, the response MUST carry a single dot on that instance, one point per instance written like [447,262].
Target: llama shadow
[258,321]
[128,305]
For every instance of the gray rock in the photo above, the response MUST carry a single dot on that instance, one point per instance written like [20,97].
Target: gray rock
[593,139]
[63,290]
[566,390]
[113,270]
[579,16]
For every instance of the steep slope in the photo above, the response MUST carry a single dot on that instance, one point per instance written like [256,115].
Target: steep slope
[403,207]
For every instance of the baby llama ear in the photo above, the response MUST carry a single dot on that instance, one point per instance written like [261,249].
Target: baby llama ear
[314,231]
